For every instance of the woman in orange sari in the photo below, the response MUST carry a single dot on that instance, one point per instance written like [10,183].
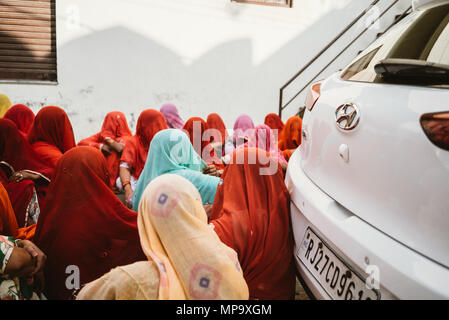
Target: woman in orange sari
[290,138]
[135,153]
[196,128]
[251,215]
[23,173]
[111,141]
[8,222]
[83,223]
[51,134]
[22,116]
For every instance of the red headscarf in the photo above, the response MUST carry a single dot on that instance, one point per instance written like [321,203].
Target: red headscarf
[274,122]
[195,128]
[51,134]
[251,214]
[115,127]
[214,121]
[290,138]
[22,116]
[17,152]
[83,223]
[136,149]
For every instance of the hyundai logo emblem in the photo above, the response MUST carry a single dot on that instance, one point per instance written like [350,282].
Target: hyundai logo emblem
[347,116]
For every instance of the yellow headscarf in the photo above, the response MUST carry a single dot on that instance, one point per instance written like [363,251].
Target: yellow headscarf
[193,263]
[5,104]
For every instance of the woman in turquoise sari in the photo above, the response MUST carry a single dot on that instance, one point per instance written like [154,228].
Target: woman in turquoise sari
[172,152]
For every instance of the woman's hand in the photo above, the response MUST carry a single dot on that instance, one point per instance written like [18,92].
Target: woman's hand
[106,149]
[23,175]
[35,253]
[129,196]
[114,145]
[37,275]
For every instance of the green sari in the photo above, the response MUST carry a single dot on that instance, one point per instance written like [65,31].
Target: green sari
[172,152]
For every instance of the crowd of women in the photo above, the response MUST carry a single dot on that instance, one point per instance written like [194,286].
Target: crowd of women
[179,210]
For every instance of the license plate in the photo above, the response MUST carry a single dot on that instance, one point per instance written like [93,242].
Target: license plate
[339,280]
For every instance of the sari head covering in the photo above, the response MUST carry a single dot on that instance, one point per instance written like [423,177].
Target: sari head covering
[5,104]
[8,222]
[291,136]
[171,115]
[192,261]
[115,127]
[196,129]
[251,215]
[136,148]
[22,116]
[274,122]
[18,154]
[264,138]
[214,121]
[172,152]
[83,223]
[51,134]
[241,127]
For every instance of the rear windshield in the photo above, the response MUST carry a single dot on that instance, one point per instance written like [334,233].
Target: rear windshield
[425,37]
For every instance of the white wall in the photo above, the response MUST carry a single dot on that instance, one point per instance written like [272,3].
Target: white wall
[203,55]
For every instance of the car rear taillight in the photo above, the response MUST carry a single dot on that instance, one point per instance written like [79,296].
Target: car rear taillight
[313,95]
[436,127]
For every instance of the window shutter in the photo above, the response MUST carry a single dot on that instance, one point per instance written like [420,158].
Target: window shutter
[28,40]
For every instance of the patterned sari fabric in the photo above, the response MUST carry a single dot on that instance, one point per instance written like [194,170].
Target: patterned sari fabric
[83,223]
[274,122]
[17,153]
[12,288]
[5,104]
[172,117]
[136,148]
[291,136]
[191,261]
[195,128]
[51,134]
[114,127]
[251,215]
[22,116]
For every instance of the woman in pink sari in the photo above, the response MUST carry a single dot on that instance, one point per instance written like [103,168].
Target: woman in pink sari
[172,117]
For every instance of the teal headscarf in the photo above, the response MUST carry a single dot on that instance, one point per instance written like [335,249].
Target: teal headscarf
[172,152]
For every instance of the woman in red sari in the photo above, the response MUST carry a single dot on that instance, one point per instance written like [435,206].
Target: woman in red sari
[22,116]
[23,173]
[195,128]
[290,138]
[51,134]
[251,215]
[135,153]
[111,141]
[274,122]
[83,223]
[215,122]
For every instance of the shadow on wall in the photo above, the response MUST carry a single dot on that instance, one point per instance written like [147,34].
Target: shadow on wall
[119,69]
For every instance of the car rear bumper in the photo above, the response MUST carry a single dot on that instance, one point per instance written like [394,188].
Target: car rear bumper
[403,273]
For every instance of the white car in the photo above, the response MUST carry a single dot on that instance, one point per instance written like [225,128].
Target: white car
[369,185]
